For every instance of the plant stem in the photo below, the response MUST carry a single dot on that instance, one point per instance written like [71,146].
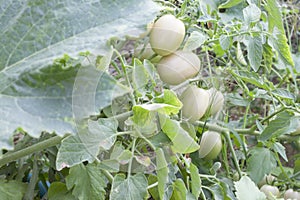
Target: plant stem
[214,127]
[108,175]
[33,180]
[9,157]
[152,185]
[281,168]
[131,159]
[235,161]
[126,76]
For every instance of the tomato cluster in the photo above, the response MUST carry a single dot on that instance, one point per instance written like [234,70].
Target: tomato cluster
[267,186]
[177,66]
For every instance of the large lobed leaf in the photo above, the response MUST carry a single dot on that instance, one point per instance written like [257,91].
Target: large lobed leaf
[134,187]
[86,145]
[38,96]
[87,182]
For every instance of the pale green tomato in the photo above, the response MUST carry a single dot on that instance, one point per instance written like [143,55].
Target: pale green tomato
[216,101]
[178,67]
[268,179]
[167,35]
[210,145]
[270,191]
[194,103]
[290,194]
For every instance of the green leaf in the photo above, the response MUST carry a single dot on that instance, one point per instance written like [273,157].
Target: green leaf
[260,157]
[284,123]
[237,100]
[173,104]
[268,56]
[140,77]
[86,182]
[195,40]
[34,33]
[195,181]
[86,145]
[253,78]
[134,187]
[255,50]
[225,42]
[247,190]
[283,93]
[278,39]
[239,54]
[152,179]
[55,99]
[13,190]
[145,115]
[162,171]
[251,14]
[38,96]
[179,190]
[230,3]
[279,148]
[59,191]
[182,141]
[145,120]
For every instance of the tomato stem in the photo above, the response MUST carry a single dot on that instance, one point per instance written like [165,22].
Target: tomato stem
[235,160]
[131,159]
[9,157]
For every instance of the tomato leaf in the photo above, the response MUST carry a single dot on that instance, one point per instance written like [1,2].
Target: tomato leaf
[182,141]
[12,189]
[134,187]
[284,123]
[278,39]
[179,190]
[58,190]
[246,189]
[86,145]
[260,157]
[93,179]
[140,77]
[225,42]
[251,14]
[279,148]
[195,180]
[145,115]
[195,40]
[162,171]
[255,50]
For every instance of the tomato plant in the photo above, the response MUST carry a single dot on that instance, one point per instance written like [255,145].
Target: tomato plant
[145,99]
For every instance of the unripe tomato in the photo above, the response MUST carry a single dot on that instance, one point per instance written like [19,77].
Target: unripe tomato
[166,35]
[195,101]
[216,101]
[290,194]
[268,179]
[178,67]
[270,190]
[210,145]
